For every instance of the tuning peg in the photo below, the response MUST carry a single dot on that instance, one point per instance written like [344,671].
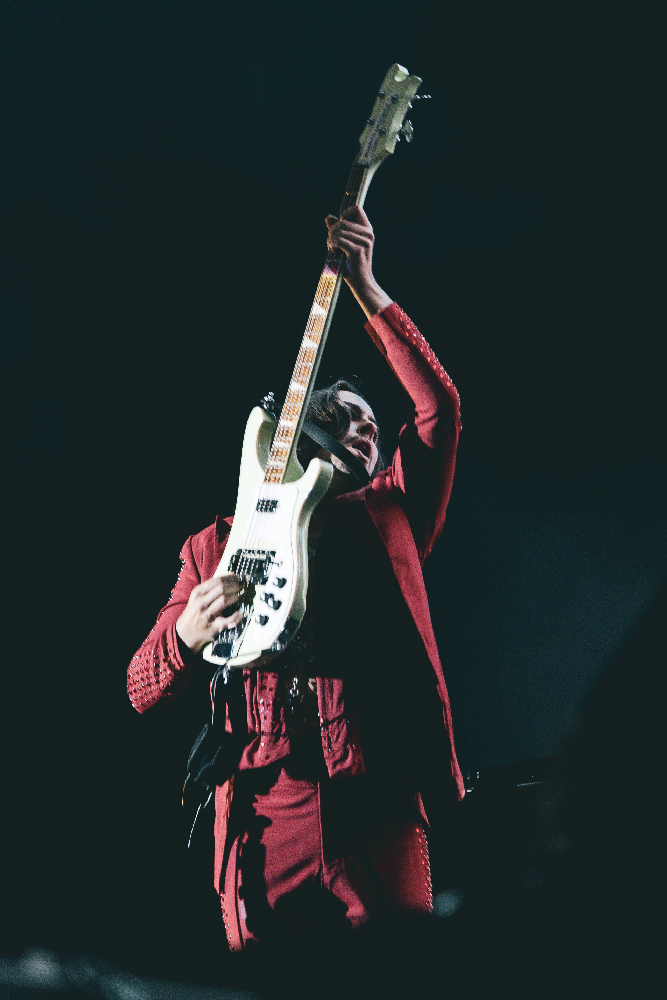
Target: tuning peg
[420,97]
[268,403]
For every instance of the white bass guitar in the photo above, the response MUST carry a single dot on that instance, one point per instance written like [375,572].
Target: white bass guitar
[268,544]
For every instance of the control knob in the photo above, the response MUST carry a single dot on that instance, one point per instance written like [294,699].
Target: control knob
[271,601]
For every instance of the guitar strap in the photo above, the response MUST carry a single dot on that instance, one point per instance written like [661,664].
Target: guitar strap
[357,468]
[215,753]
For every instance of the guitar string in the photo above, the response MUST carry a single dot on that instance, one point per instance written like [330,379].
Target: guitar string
[302,373]
[295,399]
[307,355]
[285,434]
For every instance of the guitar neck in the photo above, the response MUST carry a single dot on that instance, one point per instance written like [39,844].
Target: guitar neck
[312,345]
[378,140]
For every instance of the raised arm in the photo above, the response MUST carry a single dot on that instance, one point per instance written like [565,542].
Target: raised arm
[353,234]
[422,469]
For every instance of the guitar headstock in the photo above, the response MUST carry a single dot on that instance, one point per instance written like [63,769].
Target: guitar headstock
[385,124]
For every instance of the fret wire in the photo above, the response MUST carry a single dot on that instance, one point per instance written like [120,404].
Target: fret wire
[307,357]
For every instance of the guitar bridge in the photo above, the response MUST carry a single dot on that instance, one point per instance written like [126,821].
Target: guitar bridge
[252,565]
[226,641]
[223,645]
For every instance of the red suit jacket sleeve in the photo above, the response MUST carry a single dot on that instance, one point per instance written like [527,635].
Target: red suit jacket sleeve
[157,670]
[422,469]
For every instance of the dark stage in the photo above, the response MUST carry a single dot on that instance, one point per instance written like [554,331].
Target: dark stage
[166,172]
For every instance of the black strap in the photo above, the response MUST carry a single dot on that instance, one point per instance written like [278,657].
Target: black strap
[216,753]
[356,467]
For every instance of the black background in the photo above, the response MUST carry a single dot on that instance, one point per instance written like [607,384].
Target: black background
[165,174]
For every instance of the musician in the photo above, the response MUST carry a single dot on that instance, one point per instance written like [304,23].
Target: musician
[346,732]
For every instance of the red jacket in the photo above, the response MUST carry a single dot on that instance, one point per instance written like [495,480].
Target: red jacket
[406,503]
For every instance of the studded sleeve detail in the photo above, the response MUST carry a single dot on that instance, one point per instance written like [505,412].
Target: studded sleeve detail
[425,863]
[157,670]
[393,331]
[423,464]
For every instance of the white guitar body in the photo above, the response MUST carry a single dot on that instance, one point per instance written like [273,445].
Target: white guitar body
[272,520]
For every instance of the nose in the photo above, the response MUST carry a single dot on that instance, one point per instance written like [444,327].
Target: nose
[366,428]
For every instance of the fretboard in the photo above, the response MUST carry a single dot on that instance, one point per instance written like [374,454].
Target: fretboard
[312,344]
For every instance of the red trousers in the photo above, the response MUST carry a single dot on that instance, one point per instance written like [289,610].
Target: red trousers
[310,859]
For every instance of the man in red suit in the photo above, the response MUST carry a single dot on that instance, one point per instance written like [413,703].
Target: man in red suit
[322,823]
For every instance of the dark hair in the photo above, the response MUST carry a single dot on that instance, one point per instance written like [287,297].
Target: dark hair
[327,411]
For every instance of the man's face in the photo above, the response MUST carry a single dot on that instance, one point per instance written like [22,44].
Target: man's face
[361,437]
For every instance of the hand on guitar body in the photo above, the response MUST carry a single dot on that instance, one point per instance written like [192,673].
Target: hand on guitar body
[353,234]
[203,616]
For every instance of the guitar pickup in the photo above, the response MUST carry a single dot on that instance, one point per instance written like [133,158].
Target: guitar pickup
[251,565]
[266,506]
